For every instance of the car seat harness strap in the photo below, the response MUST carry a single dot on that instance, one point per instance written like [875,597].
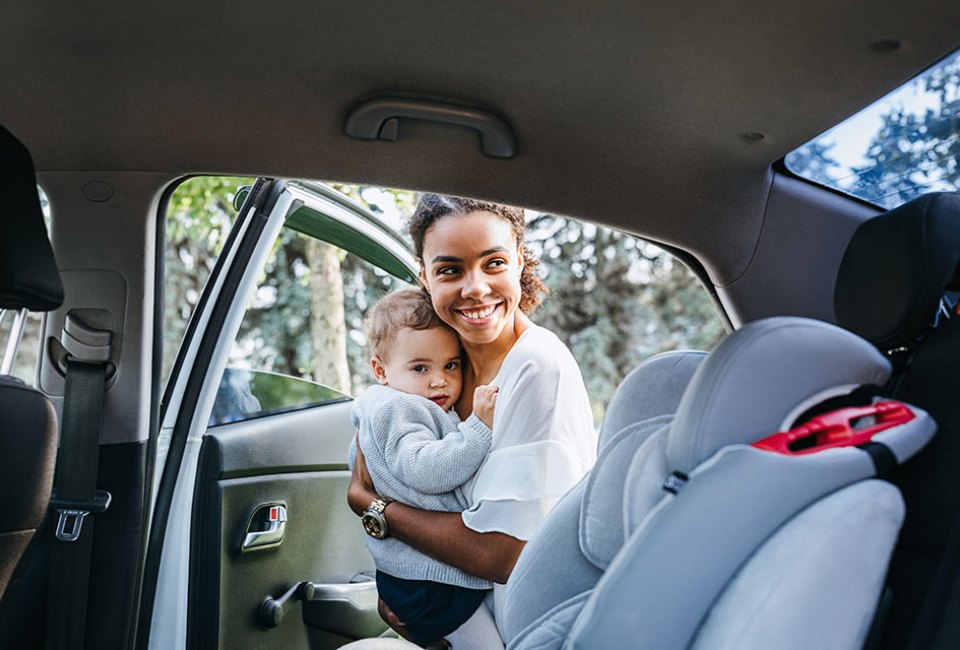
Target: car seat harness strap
[884,460]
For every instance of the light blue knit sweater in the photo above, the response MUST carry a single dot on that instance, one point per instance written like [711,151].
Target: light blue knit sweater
[420,455]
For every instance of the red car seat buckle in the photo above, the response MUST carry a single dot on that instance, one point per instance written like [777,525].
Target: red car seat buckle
[846,427]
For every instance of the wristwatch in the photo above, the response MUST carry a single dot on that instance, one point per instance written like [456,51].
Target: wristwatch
[374,523]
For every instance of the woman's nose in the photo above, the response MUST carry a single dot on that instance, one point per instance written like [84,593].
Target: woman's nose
[475,286]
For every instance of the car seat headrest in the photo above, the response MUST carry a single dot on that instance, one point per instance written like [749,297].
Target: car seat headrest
[29,278]
[897,267]
[652,389]
[762,375]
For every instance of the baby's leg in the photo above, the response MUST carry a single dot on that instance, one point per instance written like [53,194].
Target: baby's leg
[479,632]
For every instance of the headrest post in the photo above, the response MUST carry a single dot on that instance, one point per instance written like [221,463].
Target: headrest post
[13,343]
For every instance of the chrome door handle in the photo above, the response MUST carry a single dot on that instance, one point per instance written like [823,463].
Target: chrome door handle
[271,519]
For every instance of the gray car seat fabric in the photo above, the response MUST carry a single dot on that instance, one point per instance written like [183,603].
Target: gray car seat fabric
[653,388]
[678,534]
[681,551]
[848,536]
[572,546]
[28,438]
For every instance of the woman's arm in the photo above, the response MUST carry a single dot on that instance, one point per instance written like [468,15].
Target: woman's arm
[441,535]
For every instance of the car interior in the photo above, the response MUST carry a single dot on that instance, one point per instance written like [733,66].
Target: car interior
[179,501]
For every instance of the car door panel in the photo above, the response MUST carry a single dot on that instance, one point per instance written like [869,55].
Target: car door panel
[297,460]
[238,442]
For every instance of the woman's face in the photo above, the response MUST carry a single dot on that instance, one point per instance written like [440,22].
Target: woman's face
[471,266]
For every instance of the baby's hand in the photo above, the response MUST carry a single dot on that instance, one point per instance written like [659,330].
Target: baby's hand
[484,399]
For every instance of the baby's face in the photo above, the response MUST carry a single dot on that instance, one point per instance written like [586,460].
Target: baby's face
[425,363]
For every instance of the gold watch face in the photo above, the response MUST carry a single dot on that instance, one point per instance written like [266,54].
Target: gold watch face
[373,525]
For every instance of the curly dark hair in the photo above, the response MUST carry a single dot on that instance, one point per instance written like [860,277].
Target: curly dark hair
[433,207]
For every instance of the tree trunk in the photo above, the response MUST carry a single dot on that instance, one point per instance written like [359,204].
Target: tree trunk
[327,321]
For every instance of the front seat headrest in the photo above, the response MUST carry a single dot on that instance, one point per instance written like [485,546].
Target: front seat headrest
[896,269]
[29,278]
[761,376]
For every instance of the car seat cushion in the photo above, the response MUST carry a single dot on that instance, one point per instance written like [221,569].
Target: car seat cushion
[553,551]
[684,551]
[553,627]
[28,448]
[814,584]
[896,268]
[601,517]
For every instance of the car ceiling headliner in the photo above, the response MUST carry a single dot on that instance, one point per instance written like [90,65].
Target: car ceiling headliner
[629,114]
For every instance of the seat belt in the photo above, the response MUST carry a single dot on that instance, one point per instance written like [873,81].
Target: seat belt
[83,354]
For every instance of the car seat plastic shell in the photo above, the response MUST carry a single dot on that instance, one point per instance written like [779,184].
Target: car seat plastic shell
[681,550]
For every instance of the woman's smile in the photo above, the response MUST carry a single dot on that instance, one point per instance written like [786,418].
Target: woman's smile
[478,315]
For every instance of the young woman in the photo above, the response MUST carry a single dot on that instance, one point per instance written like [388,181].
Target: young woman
[482,283]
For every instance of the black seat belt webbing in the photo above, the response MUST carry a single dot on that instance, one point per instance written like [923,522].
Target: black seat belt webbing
[75,498]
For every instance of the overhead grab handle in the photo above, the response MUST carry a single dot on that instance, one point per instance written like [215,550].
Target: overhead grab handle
[380,118]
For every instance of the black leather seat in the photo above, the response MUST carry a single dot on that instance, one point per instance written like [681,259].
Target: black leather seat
[29,280]
[896,280]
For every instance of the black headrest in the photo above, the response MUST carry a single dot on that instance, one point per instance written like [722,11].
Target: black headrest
[896,269]
[28,272]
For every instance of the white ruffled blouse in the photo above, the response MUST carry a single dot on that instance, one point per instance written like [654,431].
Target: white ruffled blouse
[544,440]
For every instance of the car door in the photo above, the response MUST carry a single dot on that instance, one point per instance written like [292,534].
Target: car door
[252,543]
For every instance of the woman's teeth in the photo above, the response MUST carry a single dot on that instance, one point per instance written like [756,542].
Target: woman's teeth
[476,314]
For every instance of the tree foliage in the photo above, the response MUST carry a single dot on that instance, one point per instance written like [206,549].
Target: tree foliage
[614,300]
[914,149]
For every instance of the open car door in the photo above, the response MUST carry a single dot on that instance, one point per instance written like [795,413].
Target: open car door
[252,543]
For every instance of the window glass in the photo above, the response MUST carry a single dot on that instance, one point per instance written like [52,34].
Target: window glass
[301,342]
[902,146]
[200,213]
[615,300]
[26,362]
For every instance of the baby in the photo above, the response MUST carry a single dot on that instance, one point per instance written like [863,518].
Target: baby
[419,452]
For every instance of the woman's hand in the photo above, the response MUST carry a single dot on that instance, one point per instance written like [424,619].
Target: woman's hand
[360,493]
[441,535]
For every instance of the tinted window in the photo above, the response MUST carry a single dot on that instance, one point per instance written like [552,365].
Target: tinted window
[904,145]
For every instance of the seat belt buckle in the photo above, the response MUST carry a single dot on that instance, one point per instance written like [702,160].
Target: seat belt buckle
[72,513]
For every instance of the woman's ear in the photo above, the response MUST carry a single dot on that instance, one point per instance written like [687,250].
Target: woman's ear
[520,254]
[423,279]
[379,371]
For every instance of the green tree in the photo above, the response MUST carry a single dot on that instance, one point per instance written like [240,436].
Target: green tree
[916,152]
[199,216]
[616,300]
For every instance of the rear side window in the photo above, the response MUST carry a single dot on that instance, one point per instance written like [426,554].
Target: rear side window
[904,145]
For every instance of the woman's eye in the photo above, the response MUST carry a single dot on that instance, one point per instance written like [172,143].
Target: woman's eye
[496,263]
[448,270]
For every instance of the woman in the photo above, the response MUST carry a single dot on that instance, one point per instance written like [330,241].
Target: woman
[483,283]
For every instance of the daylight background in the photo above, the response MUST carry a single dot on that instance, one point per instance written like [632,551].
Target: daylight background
[614,300]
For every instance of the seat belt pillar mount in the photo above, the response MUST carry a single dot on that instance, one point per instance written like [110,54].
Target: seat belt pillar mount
[81,342]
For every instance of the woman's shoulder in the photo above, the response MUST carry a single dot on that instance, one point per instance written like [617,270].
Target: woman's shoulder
[540,346]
